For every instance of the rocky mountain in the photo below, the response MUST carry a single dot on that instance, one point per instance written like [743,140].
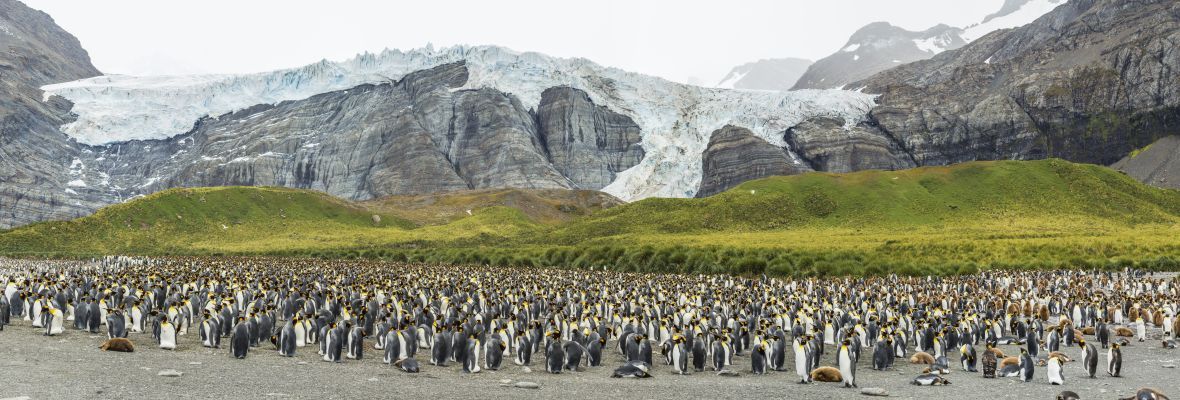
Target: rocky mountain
[1090,82]
[880,46]
[769,74]
[736,155]
[419,121]
[34,51]
[874,48]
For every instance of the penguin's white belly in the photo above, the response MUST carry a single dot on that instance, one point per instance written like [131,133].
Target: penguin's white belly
[55,326]
[300,336]
[167,339]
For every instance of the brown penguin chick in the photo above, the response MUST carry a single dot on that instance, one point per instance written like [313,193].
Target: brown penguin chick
[1176,326]
[1062,356]
[1009,361]
[1157,319]
[118,344]
[1124,331]
[1080,333]
[1089,330]
[921,357]
[997,352]
[826,374]
[1064,322]
[1043,313]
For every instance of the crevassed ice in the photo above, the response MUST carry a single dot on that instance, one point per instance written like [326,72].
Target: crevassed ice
[676,119]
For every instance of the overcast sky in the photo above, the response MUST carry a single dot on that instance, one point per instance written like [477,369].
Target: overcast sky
[672,39]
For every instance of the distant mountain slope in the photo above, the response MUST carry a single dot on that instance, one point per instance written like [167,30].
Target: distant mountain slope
[880,46]
[769,74]
[1089,82]
[874,48]
[1158,164]
[34,156]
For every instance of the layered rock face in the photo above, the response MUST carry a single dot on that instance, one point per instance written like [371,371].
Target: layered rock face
[589,144]
[1089,82]
[828,145]
[33,153]
[736,155]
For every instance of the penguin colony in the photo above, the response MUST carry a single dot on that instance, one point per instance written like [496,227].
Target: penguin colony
[564,320]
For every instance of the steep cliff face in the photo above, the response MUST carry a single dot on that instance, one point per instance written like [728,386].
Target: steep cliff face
[829,145]
[736,155]
[1089,82]
[34,155]
[1156,165]
[589,144]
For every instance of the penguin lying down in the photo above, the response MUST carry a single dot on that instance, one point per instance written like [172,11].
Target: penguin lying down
[407,365]
[632,370]
[930,380]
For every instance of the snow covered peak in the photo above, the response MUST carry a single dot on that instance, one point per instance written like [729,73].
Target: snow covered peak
[1012,15]
[676,119]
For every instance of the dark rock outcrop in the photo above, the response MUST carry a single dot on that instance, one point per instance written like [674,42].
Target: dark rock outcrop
[1088,82]
[1156,165]
[589,144]
[827,145]
[736,155]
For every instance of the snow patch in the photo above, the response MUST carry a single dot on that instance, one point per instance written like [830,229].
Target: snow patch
[76,183]
[851,48]
[732,79]
[933,45]
[855,57]
[1027,13]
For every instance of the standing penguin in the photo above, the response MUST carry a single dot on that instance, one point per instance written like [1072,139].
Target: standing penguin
[53,321]
[440,349]
[210,331]
[699,354]
[757,359]
[1027,368]
[116,325]
[472,348]
[494,352]
[93,317]
[287,338]
[524,350]
[882,358]
[1103,334]
[1114,360]
[802,360]
[594,351]
[356,343]
[967,357]
[554,354]
[240,341]
[573,354]
[679,354]
[1089,357]
[1140,329]
[1056,373]
[334,343]
[167,334]
[847,364]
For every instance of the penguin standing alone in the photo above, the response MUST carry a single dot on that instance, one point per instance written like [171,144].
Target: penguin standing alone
[1027,368]
[1114,360]
[1089,358]
[802,360]
[1056,373]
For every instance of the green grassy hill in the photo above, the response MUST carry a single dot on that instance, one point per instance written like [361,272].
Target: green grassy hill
[961,218]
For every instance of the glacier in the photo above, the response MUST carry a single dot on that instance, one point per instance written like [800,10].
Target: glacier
[676,120]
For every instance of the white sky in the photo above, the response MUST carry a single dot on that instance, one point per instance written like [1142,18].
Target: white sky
[672,39]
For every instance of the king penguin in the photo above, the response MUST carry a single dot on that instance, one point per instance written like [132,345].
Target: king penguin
[167,334]
[1056,373]
[287,338]
[473,351]
[847,365]
[802,360]
[240,341]
[1114,360]
[1089,358]
[1027,368]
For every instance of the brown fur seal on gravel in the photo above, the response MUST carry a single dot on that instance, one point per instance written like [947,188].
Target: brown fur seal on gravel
[826,374]
[118,344]
[921,357]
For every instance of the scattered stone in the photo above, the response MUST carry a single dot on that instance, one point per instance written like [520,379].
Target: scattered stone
[526,385]
[374,379]
[170,373]
[278,394]
[1170,366]
[195,363]
[16,398]
[526,370]
[729,373]
[505,381]
[301,363]
[872,391]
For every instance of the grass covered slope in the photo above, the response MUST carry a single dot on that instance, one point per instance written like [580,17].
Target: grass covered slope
[960,218]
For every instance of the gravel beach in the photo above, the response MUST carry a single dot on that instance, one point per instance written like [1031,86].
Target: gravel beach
[72,366]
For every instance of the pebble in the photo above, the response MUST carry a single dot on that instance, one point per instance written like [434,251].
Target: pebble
[170,373]
[505,381]
[373,379]
[526,370]
[527,385]
[1170,366]
[17,398]
[301,363]
[729,373]
[874,392]
[195,363]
